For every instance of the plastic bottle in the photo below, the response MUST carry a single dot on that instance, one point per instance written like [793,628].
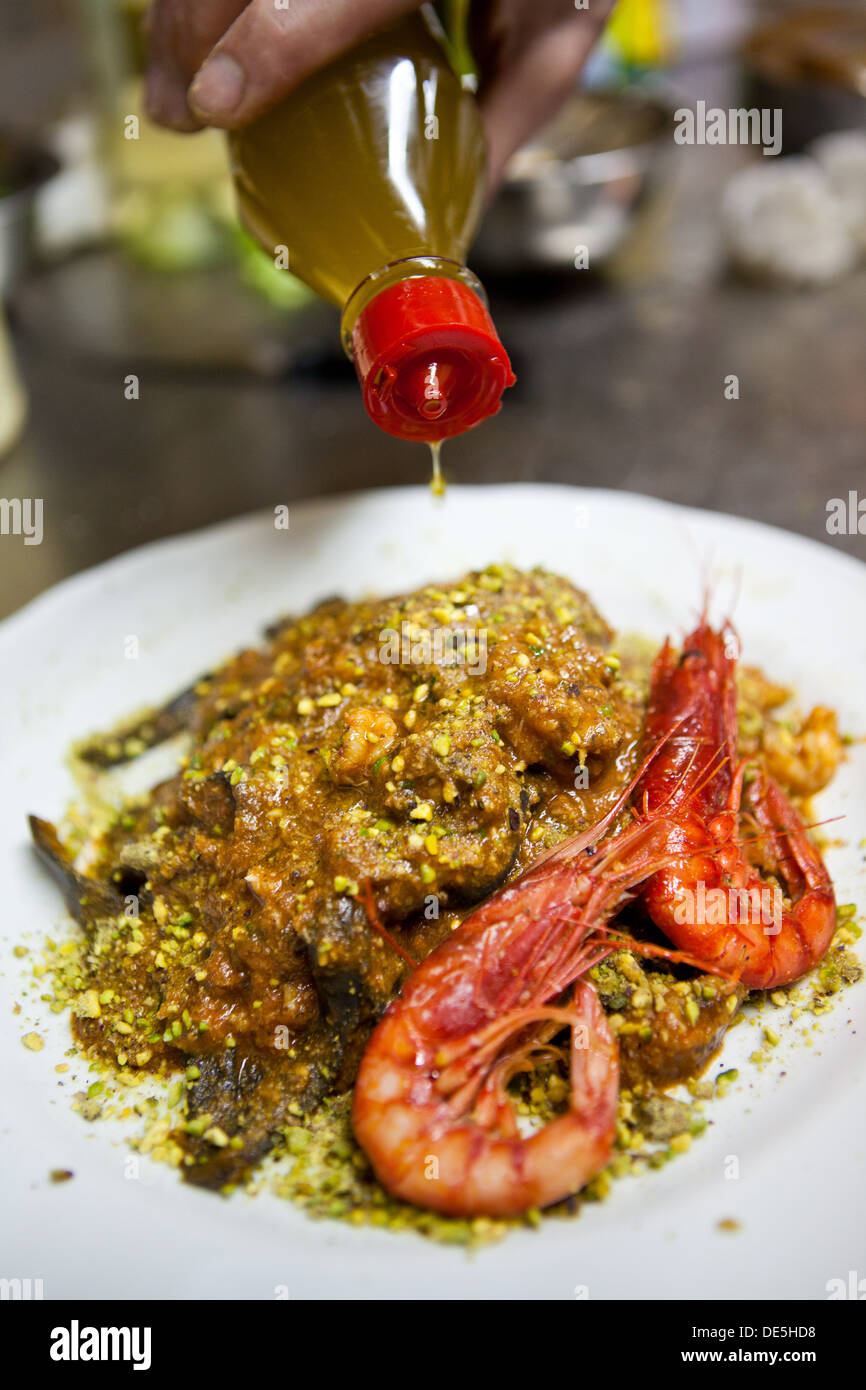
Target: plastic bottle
[370,178]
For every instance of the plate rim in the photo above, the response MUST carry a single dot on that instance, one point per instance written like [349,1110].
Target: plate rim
[69,586]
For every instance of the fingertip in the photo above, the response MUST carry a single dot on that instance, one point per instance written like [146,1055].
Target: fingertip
[216,92]
[185,123]
[166,104]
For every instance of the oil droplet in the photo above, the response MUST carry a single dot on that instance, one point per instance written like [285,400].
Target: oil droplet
[437,481]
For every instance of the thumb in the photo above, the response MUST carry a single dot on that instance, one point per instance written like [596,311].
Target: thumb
[268,50]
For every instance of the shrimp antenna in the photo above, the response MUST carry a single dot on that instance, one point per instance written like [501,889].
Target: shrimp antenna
[785,831]
[376,923]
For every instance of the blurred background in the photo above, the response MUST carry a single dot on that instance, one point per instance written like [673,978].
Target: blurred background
[687,321]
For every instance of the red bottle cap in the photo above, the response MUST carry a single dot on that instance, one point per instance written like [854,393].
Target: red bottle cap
[428,359]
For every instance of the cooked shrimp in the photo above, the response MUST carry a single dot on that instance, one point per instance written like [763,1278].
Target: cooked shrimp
[365,735]
[430,1108]
[712,900]
[804,759]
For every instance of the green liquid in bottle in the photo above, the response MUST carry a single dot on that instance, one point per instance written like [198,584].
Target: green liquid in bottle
[375,161]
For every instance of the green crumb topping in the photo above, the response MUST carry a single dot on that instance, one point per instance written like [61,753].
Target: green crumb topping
[321,1168]
[439,778]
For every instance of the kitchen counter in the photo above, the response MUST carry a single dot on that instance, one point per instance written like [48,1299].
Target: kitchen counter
[621,384]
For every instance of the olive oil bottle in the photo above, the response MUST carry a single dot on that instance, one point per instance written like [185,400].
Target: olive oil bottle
[368,181]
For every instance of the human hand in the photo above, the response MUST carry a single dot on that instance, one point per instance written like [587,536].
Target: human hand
[225,62]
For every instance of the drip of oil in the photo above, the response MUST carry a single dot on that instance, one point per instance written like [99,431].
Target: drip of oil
[437,480]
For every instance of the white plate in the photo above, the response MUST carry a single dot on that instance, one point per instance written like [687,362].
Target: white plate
[798,1139]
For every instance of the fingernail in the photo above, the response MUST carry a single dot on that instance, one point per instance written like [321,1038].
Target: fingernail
[217,87]
[165,102]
